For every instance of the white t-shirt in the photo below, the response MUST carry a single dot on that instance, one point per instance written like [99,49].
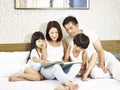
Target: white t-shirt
[93,36]
[55,53]
[31,63]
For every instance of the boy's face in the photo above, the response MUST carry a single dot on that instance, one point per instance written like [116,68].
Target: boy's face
[71,29]
[77,48]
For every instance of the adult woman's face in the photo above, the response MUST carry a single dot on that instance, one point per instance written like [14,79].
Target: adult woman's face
[53,33]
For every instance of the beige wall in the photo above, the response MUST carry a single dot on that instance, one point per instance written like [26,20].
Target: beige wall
[16,26]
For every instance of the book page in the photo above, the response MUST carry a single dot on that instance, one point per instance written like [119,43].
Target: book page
[47,64]
[66,64]
[63,64]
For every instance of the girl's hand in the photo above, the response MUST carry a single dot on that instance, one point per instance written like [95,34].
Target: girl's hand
[44,45]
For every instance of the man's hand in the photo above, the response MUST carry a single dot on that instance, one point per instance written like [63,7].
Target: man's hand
[103,68]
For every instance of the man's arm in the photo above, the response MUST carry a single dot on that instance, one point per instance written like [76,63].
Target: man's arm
[98,46]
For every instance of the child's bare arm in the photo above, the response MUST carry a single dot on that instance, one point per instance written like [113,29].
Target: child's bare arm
[35,59]
[84,60]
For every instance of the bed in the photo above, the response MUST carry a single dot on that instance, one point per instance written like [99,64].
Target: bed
[12,57]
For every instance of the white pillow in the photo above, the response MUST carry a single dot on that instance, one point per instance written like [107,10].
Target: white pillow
[11,62]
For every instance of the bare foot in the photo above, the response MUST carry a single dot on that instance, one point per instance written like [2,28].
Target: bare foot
[60,87]
[41,77]
[75,87]
[16,77]
[71,85]
[13,76]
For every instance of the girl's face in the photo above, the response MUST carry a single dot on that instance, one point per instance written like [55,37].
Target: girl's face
[71,29]
[40,43]
[53,33]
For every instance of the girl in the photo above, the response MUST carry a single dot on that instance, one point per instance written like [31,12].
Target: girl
[55,52]
[37,55]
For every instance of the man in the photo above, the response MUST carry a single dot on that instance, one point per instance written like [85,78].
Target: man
[106,60]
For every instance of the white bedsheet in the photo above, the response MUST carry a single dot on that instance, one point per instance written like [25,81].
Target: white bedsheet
[91,84]
[11,62]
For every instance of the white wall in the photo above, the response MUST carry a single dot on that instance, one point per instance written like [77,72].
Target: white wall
[16,26]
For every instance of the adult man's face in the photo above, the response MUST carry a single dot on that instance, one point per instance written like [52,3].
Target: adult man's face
[71,29]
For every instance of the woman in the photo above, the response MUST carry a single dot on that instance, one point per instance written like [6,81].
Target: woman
[55,52]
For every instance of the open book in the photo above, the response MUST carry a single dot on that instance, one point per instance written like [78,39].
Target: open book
[63,64]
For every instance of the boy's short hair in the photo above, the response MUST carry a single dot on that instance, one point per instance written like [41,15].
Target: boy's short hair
[81,40]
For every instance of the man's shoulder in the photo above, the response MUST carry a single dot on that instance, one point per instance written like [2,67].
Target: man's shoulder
[86,31]
[68,39]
